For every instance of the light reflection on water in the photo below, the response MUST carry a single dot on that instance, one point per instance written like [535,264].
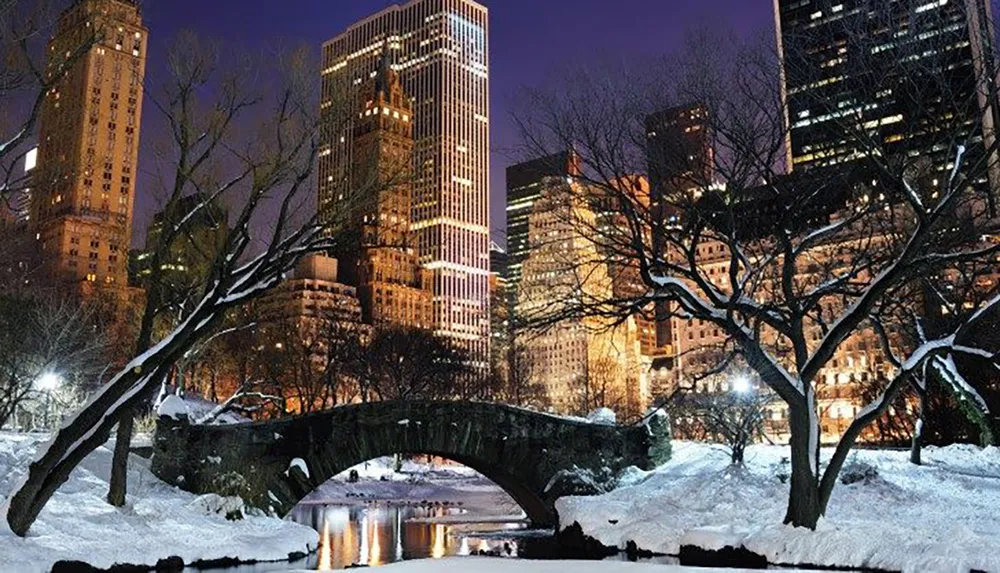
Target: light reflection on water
[375,535]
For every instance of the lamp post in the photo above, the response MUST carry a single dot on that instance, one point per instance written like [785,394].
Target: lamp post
[741,384]
[48,383]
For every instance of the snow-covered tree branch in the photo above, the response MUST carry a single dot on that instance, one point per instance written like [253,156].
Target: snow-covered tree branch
[791,269]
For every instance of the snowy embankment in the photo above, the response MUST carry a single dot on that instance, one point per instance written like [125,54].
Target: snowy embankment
[941,517]
[484,565]
[159,521]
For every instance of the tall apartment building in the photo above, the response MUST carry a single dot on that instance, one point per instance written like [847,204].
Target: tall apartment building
[524,189]
[311,298]
[84,191]
[583,362]
[378,255]
[680,155]
[440,50]
[841,62]
[499,303]
[190,257]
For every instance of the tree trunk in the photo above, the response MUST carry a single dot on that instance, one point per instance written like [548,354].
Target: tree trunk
[916,446]
[118,484]
[804,506]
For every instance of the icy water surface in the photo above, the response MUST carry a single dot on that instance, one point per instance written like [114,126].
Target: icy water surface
[381,533]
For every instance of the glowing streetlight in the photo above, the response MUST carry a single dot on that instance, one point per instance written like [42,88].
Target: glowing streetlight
[48,382]
[742,385]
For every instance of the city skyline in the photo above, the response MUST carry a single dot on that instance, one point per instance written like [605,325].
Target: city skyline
[528,42]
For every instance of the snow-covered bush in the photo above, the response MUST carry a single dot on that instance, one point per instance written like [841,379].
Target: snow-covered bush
[856,471]
[658,423]
[579,481]
[232,484]
[232,507]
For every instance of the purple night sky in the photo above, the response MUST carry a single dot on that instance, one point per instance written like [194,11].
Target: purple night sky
[528,40]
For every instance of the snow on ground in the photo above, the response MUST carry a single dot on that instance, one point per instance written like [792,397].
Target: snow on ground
[485,565]
[940,517]
[159,521]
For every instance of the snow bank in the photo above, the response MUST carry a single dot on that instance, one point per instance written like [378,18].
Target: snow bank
[159,521]
[942,516]
[172,407]
[484,565]
[603,416]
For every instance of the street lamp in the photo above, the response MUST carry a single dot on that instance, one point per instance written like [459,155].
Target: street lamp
[741,384]
[48,383]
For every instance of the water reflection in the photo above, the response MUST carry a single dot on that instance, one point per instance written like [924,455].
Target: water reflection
[379,534]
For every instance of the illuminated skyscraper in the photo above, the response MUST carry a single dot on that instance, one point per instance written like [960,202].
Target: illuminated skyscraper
[440,50]
[842,65]
[379,257]
[84,186]
[524,189]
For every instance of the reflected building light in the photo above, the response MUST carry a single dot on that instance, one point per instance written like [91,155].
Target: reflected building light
[399,536]
[325,559]
[364,541]
[438,550]
[338,518]
[375,559]
[349,549]
[463,549]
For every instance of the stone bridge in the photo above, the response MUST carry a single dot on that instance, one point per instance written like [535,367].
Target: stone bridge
[534,457]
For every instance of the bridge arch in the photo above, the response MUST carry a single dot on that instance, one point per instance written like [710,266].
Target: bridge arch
[534,457]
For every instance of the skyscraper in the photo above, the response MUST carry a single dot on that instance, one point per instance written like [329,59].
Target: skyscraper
[84,188]
[525,185]
[440,50]
[680,159]
[189,259]
[379,255]
[842,66]
[584,362]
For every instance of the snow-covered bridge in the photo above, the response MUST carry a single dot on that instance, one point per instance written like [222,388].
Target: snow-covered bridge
[535,457]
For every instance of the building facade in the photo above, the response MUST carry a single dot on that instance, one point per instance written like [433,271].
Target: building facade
[440,50]
[312,298]
[84,187]
[187,262]
[680,155]
[841,65]
[586,362]
[379,252]
[499,305]
[524,189]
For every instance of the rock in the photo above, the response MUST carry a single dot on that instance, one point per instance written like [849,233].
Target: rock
[729,557]
[173,407]
[572,543]
[73,567]
[170,564]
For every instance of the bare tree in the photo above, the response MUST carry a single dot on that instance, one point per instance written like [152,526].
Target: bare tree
[409,363]
[267,169]
[790,269]
[514,382]
[734,417]
[48,342]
